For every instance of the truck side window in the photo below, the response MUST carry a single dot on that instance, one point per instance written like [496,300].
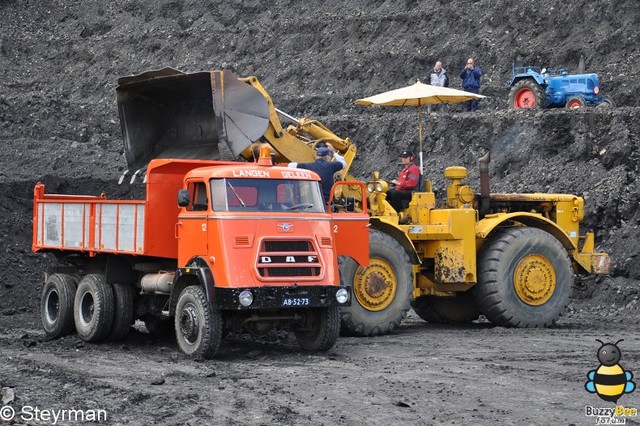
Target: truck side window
[198,191]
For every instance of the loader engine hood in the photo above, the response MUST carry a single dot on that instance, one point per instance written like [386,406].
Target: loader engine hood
[172,114]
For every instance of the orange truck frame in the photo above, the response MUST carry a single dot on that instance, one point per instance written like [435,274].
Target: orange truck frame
[247,246]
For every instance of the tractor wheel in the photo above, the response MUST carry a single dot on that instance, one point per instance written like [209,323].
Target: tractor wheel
[607,103]
[460,309]
[198,324]
[322,332]
[381,291]
[524,278]
[527,94]
[123,311]
[93,308]
[575,102]
[56,305]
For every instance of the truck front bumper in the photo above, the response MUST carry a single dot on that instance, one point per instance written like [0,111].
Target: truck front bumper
[281,297]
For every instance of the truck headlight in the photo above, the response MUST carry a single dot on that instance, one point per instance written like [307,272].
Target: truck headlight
[371,187]
[342,295]
[245,298]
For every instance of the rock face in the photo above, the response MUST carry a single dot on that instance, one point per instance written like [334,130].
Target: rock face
[59,62]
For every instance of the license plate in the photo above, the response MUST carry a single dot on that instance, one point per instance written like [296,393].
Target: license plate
[295,301]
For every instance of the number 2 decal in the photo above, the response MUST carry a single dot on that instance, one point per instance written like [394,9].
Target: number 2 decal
[204,227]
[335,228]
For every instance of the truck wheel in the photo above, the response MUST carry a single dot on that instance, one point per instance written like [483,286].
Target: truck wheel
[575,102]
[198,325]
[607,102]
[524,278]
[123,311]
[526,94]
[56,305]
[381,291]
[93,308]
[460,309]
[324,329]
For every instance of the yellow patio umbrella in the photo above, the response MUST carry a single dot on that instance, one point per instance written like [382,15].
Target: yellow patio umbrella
[419,94]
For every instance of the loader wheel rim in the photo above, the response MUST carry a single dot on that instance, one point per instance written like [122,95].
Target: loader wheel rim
[375,286]
[525,98]
[189,325]
[52,306]
[87,307]
[534,279]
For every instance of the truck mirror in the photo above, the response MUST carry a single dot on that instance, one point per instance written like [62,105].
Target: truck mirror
[350,204]
[183,198]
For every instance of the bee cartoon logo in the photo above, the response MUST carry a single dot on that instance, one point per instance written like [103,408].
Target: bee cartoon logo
[609,381]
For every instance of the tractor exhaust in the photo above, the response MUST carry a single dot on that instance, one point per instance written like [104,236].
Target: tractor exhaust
[483,165]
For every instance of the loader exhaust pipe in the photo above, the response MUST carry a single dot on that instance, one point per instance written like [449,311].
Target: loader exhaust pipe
[483,165]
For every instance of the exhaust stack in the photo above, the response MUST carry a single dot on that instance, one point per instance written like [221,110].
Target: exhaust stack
[483,165]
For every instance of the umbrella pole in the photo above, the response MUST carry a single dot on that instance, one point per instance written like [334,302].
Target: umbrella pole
[420,136]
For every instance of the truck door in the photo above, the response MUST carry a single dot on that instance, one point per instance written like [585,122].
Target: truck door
[350,222]
[192,223]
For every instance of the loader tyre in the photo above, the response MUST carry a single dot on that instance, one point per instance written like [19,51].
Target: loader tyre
[198,325]
[93,308]
[381,291]
[322,330]
[461,309]
[527,94]
[56,305]
[123,311]
[524,278]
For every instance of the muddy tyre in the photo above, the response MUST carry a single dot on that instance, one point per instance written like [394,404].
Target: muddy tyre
[381,291]
[123,311]
[575,102]
[524,278]
[527,94]
[322,331]
[56,305]
[198,325]
[607,103]
[461,309]
[93,308]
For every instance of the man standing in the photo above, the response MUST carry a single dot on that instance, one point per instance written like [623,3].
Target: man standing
[470,76]
[406,183]
[324,167]
[439,78]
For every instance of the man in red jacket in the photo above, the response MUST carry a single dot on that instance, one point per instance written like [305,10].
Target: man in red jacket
[406,183]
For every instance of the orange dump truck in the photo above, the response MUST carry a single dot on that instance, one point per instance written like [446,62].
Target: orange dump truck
[215,246]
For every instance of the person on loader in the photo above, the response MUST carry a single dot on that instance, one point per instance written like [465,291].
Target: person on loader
[324,167]
[407,182]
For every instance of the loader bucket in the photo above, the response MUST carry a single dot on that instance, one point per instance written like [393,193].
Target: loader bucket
[172,114]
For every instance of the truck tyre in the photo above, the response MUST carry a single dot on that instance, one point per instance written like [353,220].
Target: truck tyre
[527,94]
[198,325]
[575,102]
[323,330]
[381,291]
[56,305]
[123,311]
[461,309]
[524,278]
[93,308]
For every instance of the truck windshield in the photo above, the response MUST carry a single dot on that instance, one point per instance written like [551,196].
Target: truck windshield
[266,195]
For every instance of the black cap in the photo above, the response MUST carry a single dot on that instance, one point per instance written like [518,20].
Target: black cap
[407,154]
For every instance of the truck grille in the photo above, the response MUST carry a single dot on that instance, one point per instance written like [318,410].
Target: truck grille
[280,258]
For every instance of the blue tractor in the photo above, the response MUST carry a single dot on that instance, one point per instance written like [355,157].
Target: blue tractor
[536,87]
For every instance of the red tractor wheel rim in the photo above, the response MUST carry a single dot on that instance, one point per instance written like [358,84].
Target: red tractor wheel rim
[525,98]
[573,104]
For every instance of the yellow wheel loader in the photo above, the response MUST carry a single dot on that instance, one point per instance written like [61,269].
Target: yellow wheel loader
[509,257]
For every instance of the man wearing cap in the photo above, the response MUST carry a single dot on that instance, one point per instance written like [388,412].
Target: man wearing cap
[324,167]
[407,181]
